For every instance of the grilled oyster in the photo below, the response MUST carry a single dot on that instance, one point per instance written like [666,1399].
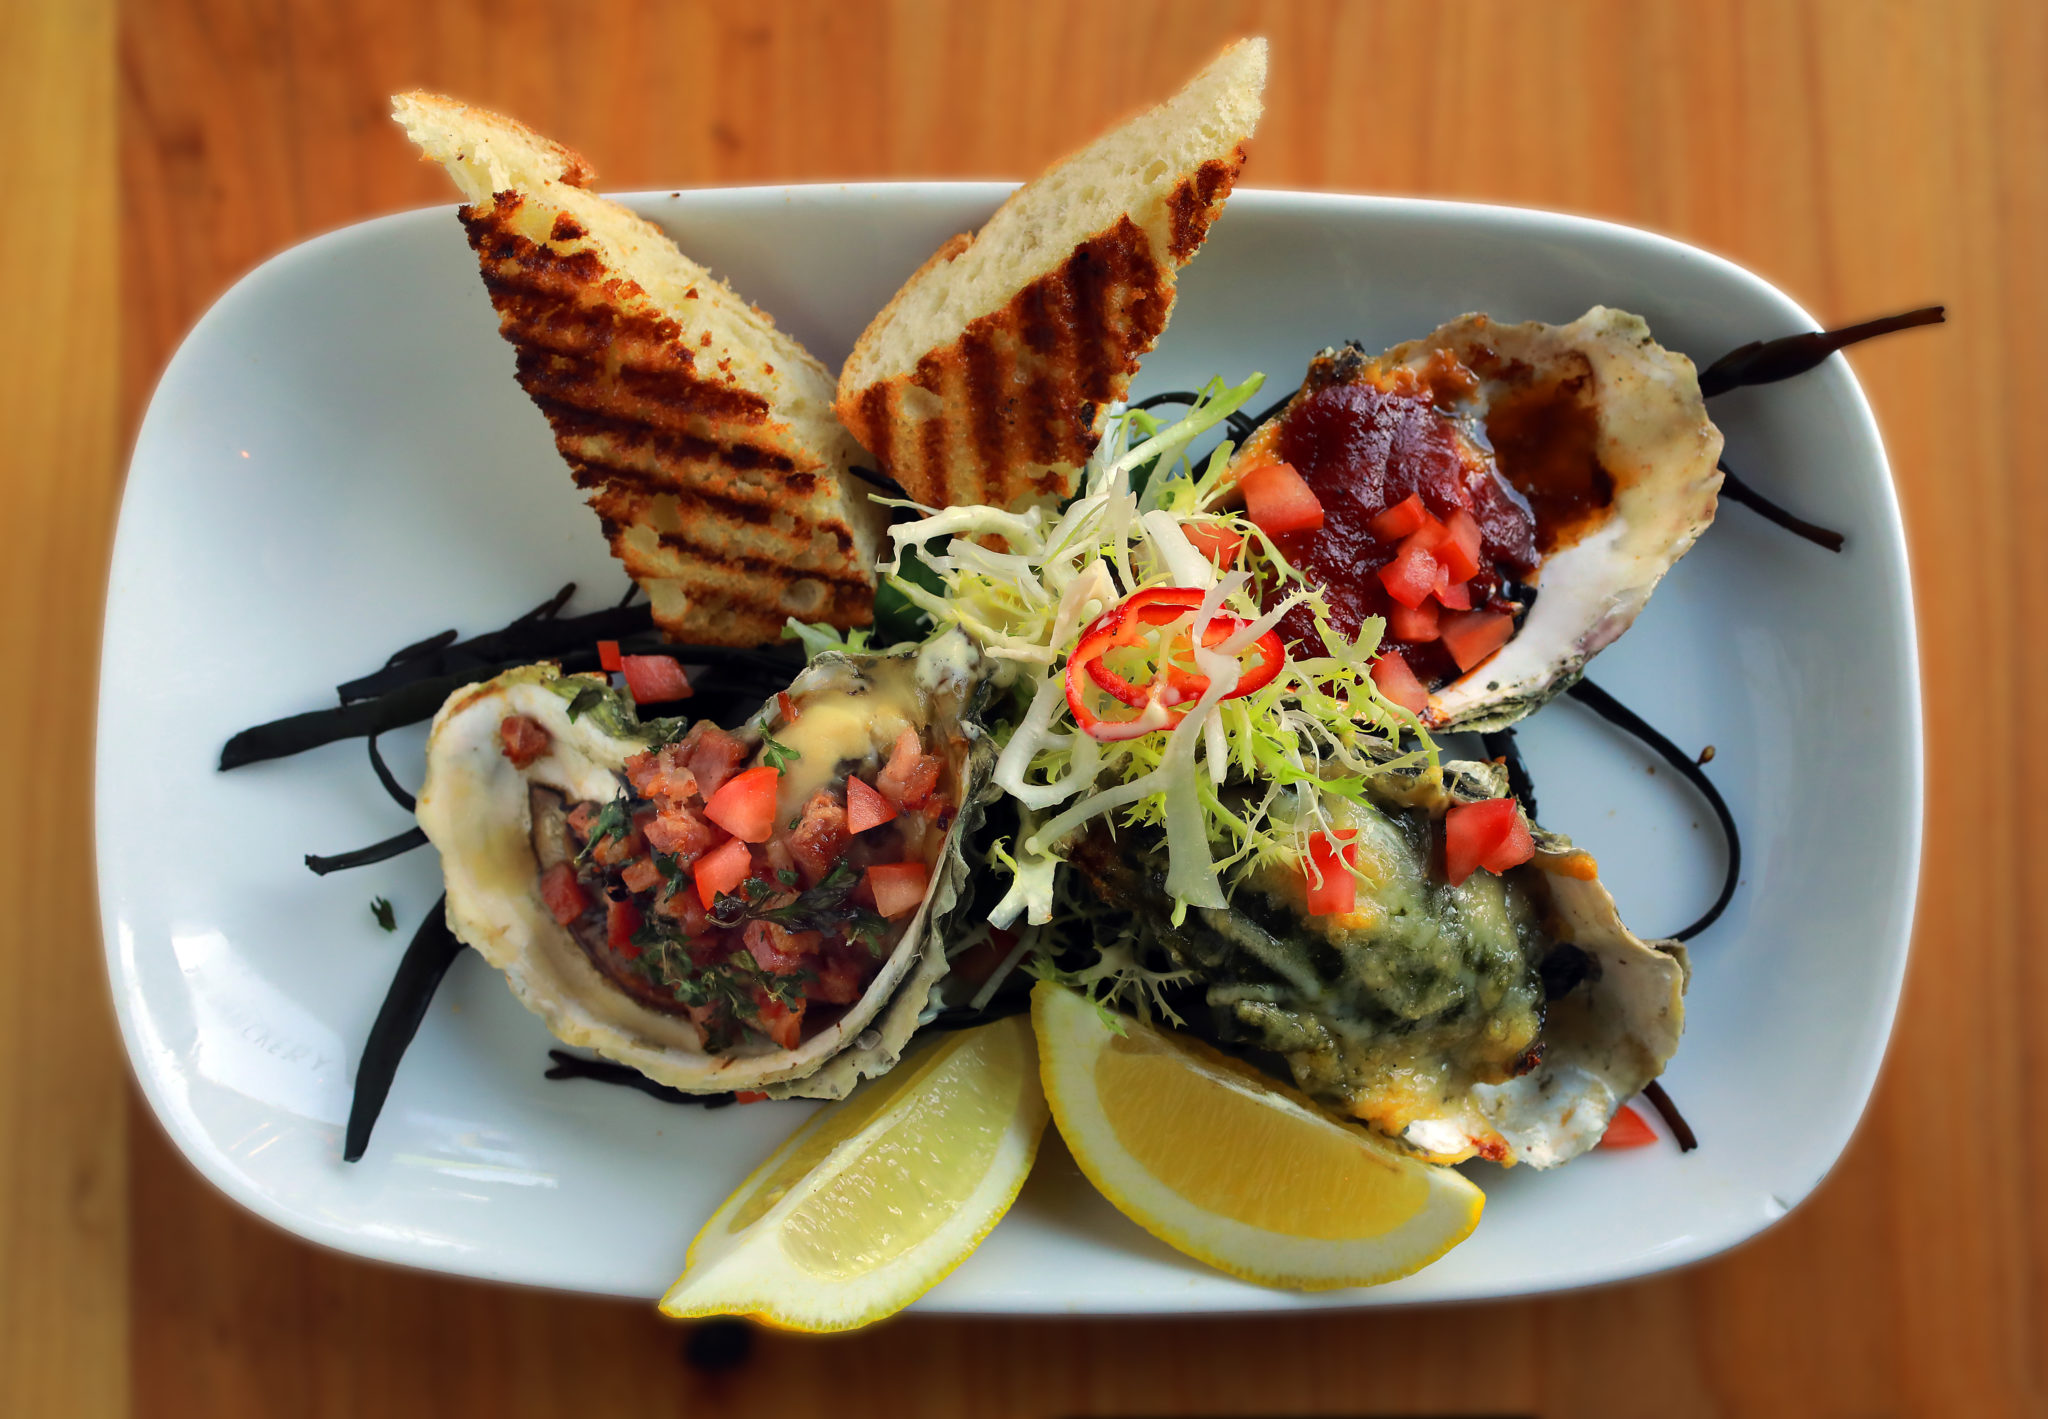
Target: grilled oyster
[1508,1017]
[581,862]
[1581,454]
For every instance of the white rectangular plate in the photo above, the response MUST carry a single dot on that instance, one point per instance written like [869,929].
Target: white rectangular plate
[338,462]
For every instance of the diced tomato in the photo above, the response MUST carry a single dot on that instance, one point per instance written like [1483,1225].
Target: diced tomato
[711,755]
[1627,1129]
[821,837]
[1398,683]
[1412,575]
[641,875]
[1515,849]
[1279,500]
[562,894]
[898,886]
[745,805]
[655,679]
[977,963]
[1220,544]
[749,1096]
[1476,833]
[1400,520]
[1460,550]
[523,739]
[909,777]
[1414,624]
[1471,636]
[1330,856]
[621,920]
[1456,596]
[722,871]
[781,1023]
[865,808]
[608,656]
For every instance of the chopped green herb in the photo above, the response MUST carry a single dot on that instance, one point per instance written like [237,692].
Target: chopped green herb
[614,820]
[786,876]
[587,699]
[775,754]
[386,917]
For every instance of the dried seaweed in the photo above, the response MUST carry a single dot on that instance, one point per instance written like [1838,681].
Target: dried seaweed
[427,957]
[1616,713]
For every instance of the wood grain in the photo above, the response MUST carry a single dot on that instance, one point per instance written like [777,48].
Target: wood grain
[63,1209]
[1865,156]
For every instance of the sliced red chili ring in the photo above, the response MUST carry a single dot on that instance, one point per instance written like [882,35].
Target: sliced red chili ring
[1124,625]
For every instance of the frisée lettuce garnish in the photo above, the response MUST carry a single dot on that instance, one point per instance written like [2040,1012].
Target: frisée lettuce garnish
[1241,760]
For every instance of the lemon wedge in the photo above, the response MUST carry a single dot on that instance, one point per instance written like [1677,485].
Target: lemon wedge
[1219,1162]
[876,1198]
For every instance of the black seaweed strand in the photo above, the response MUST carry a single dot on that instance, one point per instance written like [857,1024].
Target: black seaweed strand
[432,950]
[390,781]
[1619,714]
[534,636]
[1673,1119]
[1768,361]
[603,1071]
[882,483]
[404,843]
[1756,502]
[1500,744]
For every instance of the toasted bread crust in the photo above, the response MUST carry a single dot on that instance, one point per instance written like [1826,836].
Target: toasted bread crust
[665,445]
[1010,410]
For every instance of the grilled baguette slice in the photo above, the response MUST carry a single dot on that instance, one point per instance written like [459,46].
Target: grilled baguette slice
[987,378]
[704,436]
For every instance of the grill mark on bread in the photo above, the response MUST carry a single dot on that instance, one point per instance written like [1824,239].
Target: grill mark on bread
[575,421]
[1196,201]
[986,401]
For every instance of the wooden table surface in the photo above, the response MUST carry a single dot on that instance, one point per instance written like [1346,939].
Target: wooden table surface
[1865,156]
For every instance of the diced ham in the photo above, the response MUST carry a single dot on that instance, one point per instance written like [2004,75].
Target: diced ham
[681,834]
[523,739]
[909,777]
[563,894]
[821,838]
[617,852]
[777,951]
[840,976]
[712,756]
[680,904]
[662,776]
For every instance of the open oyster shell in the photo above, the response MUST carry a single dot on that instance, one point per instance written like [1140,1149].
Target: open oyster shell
[1508,1018]
[1603,437]
[476,809]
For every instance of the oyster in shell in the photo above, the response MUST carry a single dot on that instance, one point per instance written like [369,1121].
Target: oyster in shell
[1508,1017]
[522,772]
[1582,453]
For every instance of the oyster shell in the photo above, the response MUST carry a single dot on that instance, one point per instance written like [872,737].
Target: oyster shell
[477,809]
[1509,1017]
[1602,437]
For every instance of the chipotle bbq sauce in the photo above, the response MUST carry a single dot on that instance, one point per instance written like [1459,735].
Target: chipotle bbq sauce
[1367,442]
